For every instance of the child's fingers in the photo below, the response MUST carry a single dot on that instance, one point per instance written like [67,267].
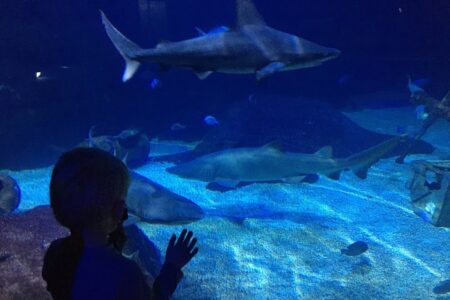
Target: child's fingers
[182,236]
[172,240]
[193,253]
[188,238]
[192,244]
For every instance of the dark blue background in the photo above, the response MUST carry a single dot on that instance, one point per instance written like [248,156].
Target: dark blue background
[380,46]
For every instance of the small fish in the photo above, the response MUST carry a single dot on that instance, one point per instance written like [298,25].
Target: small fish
[215,30]
[51,74]
[414,88]
[211,121]
[442,288]
[41,77]
[421,113]
[355,249]
[177,127]
[155,83]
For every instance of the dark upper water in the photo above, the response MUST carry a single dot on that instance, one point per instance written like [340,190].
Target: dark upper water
[381,43]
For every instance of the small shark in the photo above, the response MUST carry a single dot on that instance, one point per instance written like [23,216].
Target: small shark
[269,163]
[153,203]
[250,47]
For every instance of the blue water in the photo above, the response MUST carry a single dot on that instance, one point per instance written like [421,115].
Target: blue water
[60,75]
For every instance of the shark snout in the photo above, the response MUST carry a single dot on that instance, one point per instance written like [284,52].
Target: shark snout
[332,53]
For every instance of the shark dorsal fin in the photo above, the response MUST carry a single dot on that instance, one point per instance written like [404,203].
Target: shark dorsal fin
[163,43]
[247,14]
[275,145]
[325,152]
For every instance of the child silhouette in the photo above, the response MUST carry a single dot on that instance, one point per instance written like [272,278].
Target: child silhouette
[87,194]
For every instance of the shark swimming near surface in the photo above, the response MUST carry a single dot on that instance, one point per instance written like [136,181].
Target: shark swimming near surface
[250,47]
[269,163]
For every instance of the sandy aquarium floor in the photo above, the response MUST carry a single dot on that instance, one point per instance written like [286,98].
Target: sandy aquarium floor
[283,241]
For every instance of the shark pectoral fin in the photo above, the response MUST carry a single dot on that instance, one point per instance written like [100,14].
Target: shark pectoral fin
[269,70]
[203,75]
[325,152]
[335,175]
[295,179]
[228,183]
[131,66]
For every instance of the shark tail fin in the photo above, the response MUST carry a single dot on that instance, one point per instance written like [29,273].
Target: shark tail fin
[360,162]
[126,48]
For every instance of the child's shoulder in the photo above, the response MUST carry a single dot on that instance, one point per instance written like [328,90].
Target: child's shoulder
[56,247]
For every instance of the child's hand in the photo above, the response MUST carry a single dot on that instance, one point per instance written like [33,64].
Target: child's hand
[180,253]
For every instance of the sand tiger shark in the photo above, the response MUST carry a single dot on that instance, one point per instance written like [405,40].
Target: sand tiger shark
[269,163]
[153,203]
[250,47]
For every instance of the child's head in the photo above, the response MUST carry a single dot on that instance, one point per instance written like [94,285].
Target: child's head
[87,190]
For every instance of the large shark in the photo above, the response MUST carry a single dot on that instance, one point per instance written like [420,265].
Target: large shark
[269,163]
[154,203]
[250,47]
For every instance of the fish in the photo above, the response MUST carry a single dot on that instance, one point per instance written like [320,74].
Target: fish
[177,127]
[106,143]
[270,163]
[211,121]
[414,88]
[251,47]
[442,288]
[355,249]
[155,83]
[421,113]
[51,74]
[215,30]
[153,203]
[10,194]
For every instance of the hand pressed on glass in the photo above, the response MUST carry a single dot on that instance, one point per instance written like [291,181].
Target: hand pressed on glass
[180,252]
